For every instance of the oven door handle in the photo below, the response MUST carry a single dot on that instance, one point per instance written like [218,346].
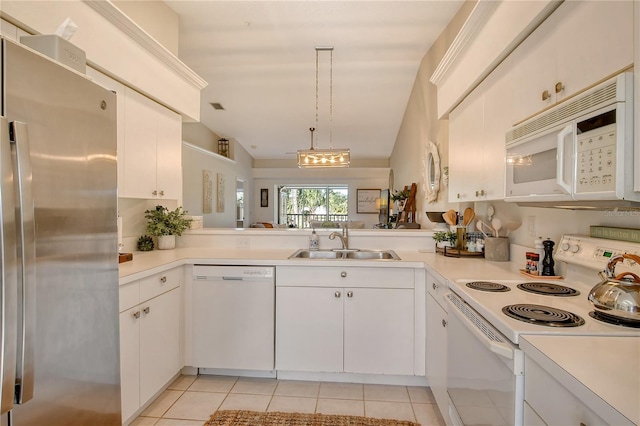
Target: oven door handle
[502,349]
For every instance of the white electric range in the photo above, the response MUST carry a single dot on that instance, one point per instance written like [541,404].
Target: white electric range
[485,372]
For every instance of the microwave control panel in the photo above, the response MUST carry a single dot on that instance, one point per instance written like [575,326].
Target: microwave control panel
[596,169]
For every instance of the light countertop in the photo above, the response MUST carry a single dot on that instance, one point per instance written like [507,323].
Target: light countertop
[603,372]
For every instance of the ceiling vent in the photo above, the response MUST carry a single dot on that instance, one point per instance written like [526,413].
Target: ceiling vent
[217,105]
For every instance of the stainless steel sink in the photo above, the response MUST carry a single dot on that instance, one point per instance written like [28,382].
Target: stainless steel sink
[345,254]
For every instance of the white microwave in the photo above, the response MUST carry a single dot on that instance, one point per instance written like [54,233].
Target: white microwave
[577,153]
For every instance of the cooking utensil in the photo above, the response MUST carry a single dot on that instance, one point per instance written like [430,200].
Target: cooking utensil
[618,295]
[511,226]
[450,217]
[490,212]
[497,226]
[468,216]
[479,226]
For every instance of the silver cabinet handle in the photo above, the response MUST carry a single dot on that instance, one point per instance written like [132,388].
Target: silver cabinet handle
[444,323]
[337,294]
[136,314]
[163,279]
[162,193]
[434,285]
[146,310]
[546,95]
[154,192]
[349,294]
[559,87]
[343,274]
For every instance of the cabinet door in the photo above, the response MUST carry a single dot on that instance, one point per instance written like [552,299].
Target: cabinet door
[169,154]
[139,146]
[378,331]
[130,361]
[498,90]
[436,362]
[534,71]
[465,148]
[159,342]
[309,329]
[596,41]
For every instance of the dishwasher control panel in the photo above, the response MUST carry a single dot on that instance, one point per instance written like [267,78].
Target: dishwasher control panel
[208,272]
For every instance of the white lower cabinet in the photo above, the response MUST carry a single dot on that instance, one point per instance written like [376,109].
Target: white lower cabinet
[322,327]
[548,402]
[150,349]
[436,345]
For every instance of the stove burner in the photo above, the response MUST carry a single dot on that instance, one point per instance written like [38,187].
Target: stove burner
[488,286]
[543,315]
[548,289]
[611,319]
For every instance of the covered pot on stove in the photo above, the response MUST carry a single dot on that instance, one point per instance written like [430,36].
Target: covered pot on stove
[618,295]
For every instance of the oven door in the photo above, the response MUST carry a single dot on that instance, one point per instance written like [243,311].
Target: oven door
[485,371]
[541,167]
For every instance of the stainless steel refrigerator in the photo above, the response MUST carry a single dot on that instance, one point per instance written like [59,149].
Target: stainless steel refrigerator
[59,342]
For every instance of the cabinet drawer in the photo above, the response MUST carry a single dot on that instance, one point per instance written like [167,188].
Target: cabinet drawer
[348,276]
[159,283]
[438,288]
[129,295]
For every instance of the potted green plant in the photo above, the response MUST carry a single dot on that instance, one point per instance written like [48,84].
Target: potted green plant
[400,198]
[445,238]
[165,224]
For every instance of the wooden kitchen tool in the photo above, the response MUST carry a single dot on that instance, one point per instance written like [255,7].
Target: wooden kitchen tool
[450,217]
[468,216]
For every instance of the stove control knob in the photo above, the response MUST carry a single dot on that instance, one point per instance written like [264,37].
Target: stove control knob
[564,246]
[575,248]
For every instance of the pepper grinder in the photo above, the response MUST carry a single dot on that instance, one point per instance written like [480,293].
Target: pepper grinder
[547,262]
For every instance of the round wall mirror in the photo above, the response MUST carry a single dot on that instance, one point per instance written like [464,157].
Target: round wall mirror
[432,172]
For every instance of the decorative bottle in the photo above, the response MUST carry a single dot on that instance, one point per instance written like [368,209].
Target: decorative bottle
[547,262]
[314,242]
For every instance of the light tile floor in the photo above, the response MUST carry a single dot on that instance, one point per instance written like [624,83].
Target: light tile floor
[190,400]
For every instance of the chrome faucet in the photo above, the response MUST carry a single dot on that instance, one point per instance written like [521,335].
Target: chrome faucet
[344,238]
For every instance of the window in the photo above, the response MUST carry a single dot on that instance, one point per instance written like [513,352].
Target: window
[299,205]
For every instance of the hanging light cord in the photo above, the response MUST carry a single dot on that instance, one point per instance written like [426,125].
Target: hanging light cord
[317,66]
[331,100]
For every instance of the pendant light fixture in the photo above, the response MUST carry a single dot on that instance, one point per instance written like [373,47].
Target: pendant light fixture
[332,157]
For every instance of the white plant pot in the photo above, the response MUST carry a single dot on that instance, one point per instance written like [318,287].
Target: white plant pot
[443,244]
[166,242]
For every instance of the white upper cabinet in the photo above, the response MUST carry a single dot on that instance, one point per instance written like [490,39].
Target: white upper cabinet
[579,45]
[477,130]
[152,150]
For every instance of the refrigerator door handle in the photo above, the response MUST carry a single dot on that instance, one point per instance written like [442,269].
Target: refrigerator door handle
[8,273]
[25,223]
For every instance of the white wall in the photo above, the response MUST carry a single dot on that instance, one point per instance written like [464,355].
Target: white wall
[156,18]
[421,124]
[194,161]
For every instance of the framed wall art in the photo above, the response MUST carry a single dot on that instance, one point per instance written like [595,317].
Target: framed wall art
[368,201]
[220,194]
[207,191]
[264,197]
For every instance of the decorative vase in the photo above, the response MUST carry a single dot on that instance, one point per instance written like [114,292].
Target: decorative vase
[166,242]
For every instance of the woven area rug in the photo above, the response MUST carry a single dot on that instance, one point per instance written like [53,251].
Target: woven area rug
[253,418]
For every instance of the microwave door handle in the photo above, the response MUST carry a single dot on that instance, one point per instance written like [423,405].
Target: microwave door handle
[560,158]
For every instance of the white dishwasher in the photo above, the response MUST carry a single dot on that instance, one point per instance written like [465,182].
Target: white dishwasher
[233,316]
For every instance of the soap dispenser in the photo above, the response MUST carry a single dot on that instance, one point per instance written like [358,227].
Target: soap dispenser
[314,242]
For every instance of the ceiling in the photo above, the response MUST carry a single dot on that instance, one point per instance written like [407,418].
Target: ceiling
[258,58]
